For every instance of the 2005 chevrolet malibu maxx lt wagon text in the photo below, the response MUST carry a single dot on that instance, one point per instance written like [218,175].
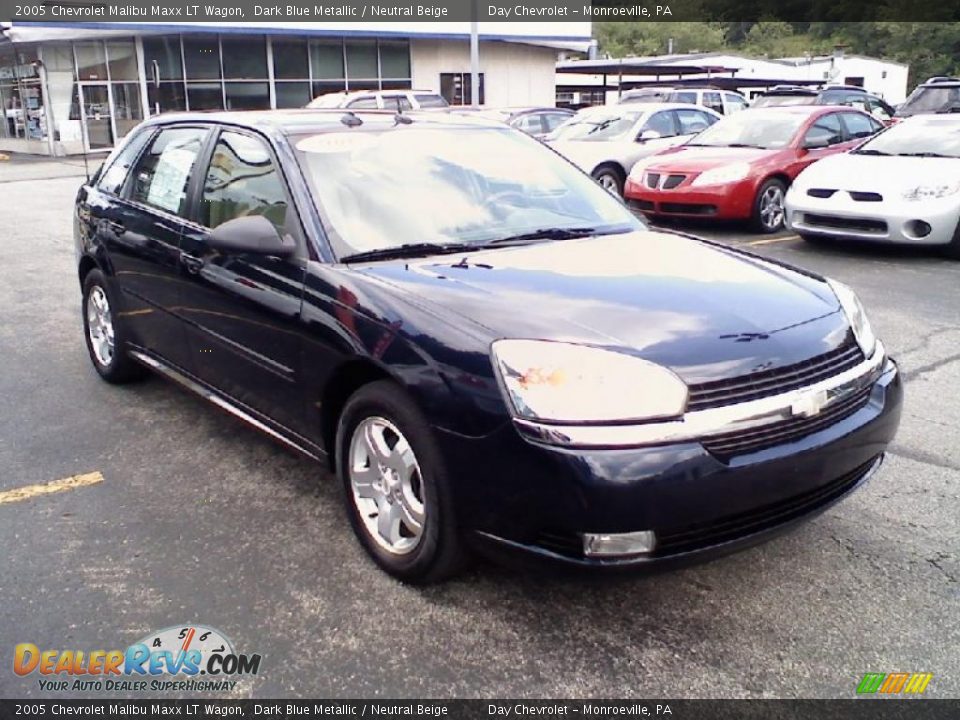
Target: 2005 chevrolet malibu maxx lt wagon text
[490,350]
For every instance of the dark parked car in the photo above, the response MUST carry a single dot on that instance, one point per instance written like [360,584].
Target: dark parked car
[849,95]
[489,349]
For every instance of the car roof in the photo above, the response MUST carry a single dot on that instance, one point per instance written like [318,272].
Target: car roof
[642,107]
[802,109]
[307,120]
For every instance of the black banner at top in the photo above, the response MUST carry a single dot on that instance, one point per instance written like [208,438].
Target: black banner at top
[549,11]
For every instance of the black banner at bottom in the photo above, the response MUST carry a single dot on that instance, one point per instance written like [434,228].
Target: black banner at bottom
[858,709]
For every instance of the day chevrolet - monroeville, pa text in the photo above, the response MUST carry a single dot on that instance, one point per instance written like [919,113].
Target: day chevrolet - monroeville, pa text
[490,349]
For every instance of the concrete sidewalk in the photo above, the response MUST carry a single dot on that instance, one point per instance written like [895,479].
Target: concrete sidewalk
[21,168]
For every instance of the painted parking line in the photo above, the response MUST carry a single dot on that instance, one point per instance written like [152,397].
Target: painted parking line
[31,491]
[771,241]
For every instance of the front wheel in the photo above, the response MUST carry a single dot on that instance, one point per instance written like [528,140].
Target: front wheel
[609,179]
[768,207]
[397,486]
[105,333]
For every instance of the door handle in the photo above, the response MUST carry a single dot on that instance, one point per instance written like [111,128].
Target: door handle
[191,263]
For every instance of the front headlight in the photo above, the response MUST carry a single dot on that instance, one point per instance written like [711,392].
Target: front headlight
[931,192]
[565,383]
[856,315]
[723,174]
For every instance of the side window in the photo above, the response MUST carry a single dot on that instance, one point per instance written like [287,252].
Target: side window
[734,102]
[860,126]
[242,180]
[693,121]
[112,179]
[686,96]
[162,174]
[529,124]
[878,110]
[825,131]
[713,101]
[551,121]
[661,122]
[367,103]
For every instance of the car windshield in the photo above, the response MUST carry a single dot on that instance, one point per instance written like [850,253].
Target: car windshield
[753,128]
[931,99]
[933,136]
[417,185]
[605,124]
[783,100]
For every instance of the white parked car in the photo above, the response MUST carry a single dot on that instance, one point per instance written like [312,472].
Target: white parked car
[606,141]
[400,100]
[901,186]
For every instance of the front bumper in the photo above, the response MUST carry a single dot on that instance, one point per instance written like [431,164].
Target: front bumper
[890,220]
[529,499]
[733,201]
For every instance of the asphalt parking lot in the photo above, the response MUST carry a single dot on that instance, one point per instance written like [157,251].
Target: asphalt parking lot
[200,519]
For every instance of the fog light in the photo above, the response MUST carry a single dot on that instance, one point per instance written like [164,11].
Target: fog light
[619,544]
[918,228]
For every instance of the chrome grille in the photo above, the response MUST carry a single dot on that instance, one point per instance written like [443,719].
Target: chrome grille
[778,380]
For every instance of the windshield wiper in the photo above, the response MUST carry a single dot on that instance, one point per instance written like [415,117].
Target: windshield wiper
[868,151]
[556,233]
[746,145]
[407,250]
[926,154]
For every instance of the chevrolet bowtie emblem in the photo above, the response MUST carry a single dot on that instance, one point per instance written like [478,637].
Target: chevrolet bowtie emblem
[809,404]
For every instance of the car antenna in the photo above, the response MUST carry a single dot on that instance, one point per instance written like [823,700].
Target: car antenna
[350,120]
[401,119]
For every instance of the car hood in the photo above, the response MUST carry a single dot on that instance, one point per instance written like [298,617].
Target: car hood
[703,310]
[698,159]
[884,175]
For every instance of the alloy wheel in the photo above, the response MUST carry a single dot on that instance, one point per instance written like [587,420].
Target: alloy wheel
[609,183]
[100,326]
[771,208]
[386,485]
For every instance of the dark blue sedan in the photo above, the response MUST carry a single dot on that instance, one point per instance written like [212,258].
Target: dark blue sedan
[488,348]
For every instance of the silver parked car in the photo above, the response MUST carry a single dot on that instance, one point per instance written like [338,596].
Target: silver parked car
[606,141]
[400,100]
[901,186]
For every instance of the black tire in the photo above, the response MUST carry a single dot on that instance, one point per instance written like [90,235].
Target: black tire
[439,553]
[952,249]
[119,368]
[610,178]
[759,219]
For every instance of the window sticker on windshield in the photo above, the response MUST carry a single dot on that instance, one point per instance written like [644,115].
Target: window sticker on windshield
[170,179]
[336,143]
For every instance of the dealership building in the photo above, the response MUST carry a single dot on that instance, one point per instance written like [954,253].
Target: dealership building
[66,88]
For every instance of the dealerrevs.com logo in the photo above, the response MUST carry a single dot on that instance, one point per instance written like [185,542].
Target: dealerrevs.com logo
[179,658]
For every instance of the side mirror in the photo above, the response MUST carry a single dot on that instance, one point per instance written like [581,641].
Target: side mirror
[816,143]
[648,135]
[251,234]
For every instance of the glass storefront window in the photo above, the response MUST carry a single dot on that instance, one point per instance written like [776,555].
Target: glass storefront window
[58,57]
[247,95]
[122,56]
[322,88]
[205,96]
[293,94]
[361,60]
[161,58]
[168,97]
[244,58]
[91,61]
[201,58]
[290,59]
[326,59]
[394,59]
[127,112]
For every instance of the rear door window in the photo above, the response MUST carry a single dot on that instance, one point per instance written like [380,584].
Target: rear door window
[162,174]
[713,101]
[686,96]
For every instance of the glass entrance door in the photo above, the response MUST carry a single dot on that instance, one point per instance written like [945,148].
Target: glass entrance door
[97,119]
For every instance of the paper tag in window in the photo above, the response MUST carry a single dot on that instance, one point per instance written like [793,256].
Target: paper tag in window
[337,142]
[169,182]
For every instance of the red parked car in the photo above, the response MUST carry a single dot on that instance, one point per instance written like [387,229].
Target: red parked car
[739,168]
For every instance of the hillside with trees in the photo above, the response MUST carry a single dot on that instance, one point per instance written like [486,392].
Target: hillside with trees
[929,48]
